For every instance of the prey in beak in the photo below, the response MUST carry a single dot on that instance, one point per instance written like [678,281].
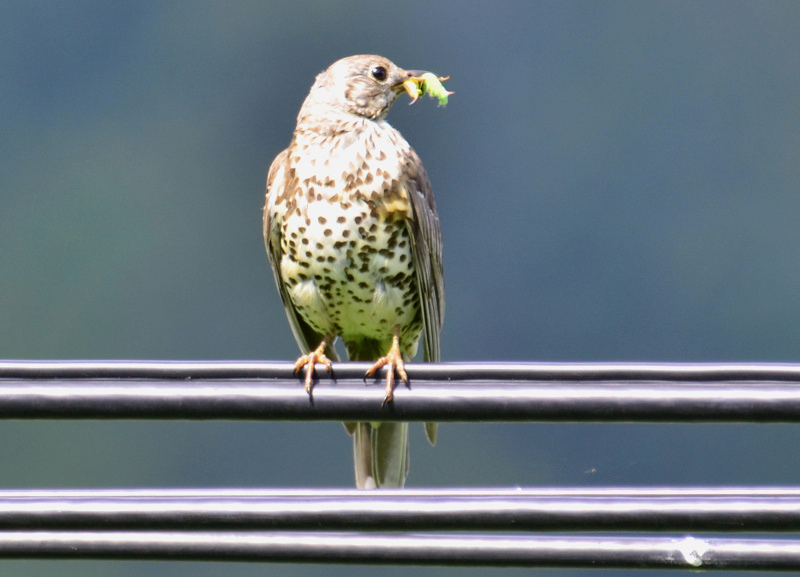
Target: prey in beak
[421,82]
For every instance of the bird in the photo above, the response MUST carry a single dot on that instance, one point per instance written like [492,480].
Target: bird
[354,242]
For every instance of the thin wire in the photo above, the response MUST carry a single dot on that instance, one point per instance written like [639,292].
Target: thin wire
[547,509]
[252,525]
[404,549]
[426,371]
[440,392]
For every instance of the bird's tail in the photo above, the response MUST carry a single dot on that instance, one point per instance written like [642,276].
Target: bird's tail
[380,450]
[381,454]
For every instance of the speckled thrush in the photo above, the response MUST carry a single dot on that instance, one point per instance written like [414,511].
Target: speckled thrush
[353,237]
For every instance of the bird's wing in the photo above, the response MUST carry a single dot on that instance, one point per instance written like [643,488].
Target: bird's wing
[306,337]
[427,254]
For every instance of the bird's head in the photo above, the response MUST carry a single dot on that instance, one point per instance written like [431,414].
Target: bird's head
[365,85]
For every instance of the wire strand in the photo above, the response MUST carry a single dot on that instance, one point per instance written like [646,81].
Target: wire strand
[438,392]
[540,509]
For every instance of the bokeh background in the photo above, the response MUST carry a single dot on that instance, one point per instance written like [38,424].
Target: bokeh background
[616,181]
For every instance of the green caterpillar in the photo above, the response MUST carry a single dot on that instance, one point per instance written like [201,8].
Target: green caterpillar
[427,83]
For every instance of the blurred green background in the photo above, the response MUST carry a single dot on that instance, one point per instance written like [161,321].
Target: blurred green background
[616,181]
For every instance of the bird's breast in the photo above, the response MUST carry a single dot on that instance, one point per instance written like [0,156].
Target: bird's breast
[347,261]
[346,253]
[369,161]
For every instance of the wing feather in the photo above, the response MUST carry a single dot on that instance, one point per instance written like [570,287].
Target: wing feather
[426,238]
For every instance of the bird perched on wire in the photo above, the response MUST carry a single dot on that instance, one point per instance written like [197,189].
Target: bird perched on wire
[353,237]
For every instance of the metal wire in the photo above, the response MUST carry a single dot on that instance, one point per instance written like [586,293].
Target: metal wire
[508,371]
[541,509]
[442,392]
[432,549]
[348,526]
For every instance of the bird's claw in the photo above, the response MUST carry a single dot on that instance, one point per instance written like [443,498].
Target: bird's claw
[394,359]
[310,361]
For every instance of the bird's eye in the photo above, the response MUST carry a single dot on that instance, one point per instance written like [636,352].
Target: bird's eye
[378,73]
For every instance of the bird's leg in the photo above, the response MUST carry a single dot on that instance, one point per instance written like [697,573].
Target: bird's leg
[394,358]
[310,360]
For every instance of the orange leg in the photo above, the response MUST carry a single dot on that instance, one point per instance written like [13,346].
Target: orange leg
[310,360]
[394,358]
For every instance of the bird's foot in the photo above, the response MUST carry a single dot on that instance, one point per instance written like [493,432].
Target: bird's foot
[310,360]
[394,359]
